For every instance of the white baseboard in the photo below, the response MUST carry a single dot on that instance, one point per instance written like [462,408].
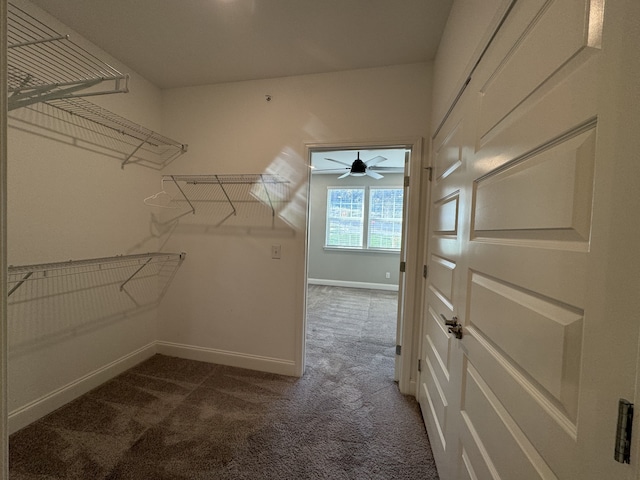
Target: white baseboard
[349,284]
[29,413]
[233,359]
[23,416]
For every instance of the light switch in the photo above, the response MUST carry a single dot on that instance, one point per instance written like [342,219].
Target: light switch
[275,251]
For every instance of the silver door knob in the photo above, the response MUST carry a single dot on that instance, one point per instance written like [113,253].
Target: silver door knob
[453,322]
[454,327]
[456,330]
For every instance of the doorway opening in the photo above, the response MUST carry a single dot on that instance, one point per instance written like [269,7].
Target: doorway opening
[355,247]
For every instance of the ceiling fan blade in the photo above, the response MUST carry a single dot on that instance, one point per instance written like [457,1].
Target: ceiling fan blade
[375,160]
[333,170]
[388,169]
[373,174]
[344,175]
[338,161]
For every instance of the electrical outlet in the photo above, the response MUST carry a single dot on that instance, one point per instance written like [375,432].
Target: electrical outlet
[275,251]
[387,275]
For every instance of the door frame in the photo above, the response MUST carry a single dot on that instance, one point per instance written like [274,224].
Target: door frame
[4,432]
[406,367]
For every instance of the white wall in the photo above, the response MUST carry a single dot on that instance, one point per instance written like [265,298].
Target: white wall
[69,202]
[364,268]
[230,302]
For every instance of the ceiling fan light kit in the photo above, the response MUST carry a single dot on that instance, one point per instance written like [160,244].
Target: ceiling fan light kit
[361,168]
[358,168]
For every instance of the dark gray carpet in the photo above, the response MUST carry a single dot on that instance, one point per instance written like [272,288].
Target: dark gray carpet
[171,418]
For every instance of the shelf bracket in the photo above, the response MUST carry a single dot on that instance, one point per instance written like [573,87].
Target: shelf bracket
[19,284]
[228,200]
[134,151]
[273,210]
[193,209]
[134,274]
[22,98]
[266,191]
[36,42]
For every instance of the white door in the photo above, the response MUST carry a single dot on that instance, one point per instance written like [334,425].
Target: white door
[525,250]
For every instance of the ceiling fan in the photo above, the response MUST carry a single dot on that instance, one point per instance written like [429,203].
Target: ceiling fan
[360,168]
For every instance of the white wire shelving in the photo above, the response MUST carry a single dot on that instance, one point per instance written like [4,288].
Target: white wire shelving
[141,145]
[221,197]
[43,64]
[124,269]
[50,301]
[48,69]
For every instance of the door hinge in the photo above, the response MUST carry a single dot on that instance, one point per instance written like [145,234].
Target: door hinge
[406,180]
[622,451]
[403,267]
[398,349]
[425,271]
[430,170]
[419,365]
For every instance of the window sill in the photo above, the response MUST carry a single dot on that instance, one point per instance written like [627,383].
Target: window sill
[360,250]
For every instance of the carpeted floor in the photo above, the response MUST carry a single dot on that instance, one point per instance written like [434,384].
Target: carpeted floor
[170,418]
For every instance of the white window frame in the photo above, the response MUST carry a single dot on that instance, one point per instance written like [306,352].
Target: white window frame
[397,220]
[329,218]
[364,219]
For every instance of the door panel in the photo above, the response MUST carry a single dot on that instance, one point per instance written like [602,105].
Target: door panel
[507,450]
[445,215]
[548,194]
[557,32]
[448,156]
[518,322]
[442,279]
[512,256]
[439,343]
[436,402]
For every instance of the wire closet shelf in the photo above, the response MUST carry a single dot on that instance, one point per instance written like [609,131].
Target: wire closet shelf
[145,146]
[124,269]
[239,195]
[50,301]
[43,64]
[47,68]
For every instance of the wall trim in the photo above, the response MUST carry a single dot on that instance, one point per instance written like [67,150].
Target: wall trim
[349,284]
[29,413]
[23,416]
[278,366]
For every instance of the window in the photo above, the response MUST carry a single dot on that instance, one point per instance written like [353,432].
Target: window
[350,221]
[385,218]
[345,217]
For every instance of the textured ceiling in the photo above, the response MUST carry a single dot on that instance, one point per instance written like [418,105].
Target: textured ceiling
[176,43]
